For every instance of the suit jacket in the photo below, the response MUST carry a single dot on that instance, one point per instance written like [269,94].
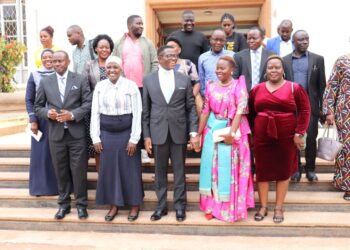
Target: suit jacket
[92,73]
[179,116]
[244,67]
[316,79]
[77,99]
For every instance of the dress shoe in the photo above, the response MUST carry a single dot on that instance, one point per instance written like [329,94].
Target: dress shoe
[296,176]
[311,176]
[61,213]
[180,215]
[133,217]
[82,213]
[157,215]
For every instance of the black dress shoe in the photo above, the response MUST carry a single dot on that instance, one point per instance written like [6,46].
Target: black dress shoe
[296,176]
[61,213]
[311,176]
[82,213]
[157,215]
[180,215]
[133,217]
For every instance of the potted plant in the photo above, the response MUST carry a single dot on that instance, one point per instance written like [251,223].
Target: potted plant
[11,54]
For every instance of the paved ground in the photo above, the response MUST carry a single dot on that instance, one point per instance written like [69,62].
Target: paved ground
[15,240]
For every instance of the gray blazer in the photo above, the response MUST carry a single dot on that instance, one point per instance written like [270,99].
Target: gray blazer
[316,81]
[77,99]
[179,116]
[92,73]
[244,66]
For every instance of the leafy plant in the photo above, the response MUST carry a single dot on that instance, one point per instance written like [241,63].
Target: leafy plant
[11,54]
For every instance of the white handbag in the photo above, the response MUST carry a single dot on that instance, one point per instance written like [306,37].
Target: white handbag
[328,147]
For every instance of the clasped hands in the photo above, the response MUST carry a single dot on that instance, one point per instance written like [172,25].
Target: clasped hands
[63,116]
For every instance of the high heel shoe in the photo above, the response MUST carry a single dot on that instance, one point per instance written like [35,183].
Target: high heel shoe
[346,196]
[259,216]
[278,218]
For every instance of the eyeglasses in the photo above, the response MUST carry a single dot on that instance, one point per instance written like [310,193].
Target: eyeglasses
[170,56]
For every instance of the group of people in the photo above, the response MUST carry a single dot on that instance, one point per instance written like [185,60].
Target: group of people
[247,108]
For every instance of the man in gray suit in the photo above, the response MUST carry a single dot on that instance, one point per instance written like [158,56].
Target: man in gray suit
[168,118]
[250,62]
[63,99]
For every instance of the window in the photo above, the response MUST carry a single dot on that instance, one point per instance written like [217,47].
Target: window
[13,23]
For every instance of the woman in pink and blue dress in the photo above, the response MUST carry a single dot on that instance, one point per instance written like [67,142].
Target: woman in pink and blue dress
[226,186]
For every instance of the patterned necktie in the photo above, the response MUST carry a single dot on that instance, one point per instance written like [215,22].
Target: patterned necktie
[62,87]
[256,68]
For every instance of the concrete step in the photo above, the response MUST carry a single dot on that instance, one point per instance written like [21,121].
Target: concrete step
[59,240]
[296,201]
[192,165]
[326,224]
[12,123]
[20,179]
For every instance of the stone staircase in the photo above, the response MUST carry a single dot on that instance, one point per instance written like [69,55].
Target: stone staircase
[312,209]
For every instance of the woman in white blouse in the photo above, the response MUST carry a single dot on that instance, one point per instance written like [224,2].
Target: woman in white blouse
[115,131]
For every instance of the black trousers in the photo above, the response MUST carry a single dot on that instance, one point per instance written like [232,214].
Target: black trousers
[311,145]
[177,155]
[69,158]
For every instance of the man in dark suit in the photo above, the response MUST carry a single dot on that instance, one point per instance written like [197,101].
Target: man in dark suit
[250,62]
[64,98]
[307,69]
[168,115]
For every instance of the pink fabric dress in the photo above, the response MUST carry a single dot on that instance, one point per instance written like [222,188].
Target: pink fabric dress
[225,102]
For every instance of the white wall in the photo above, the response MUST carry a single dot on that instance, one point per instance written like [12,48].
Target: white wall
[327,23]
[95,17]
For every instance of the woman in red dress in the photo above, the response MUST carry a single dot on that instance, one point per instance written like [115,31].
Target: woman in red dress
[279,115]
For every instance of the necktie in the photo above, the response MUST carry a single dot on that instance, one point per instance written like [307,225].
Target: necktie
[62,87]
[256,68]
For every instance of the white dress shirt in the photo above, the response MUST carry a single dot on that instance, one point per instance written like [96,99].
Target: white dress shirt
[285,47]
[167,82]
[116,99]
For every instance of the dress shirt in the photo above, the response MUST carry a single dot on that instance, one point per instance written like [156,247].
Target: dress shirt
[207,66]
[167,82]
[254,53]
[120,98]
[286,47]
[60,80]
[81,56]
[300,69]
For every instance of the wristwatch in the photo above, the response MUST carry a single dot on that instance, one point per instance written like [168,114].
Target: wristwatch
[299,135]
[193,134]
[72,116]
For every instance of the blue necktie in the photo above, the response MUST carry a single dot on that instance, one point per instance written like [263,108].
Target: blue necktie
[62,87]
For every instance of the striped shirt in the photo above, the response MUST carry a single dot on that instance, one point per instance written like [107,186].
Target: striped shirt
[116,99]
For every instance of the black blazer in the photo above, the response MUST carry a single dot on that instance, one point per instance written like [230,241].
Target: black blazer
[178,117]
[244,66]
[77,99]
[316,79]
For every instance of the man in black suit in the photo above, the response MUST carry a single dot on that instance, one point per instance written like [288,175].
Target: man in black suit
[307,69]
[168,114]
[63,99]
[250,62]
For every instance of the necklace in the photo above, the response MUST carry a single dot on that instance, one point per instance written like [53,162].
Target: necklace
[228,83]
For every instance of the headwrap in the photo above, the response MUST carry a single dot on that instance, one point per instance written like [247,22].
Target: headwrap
[114,59]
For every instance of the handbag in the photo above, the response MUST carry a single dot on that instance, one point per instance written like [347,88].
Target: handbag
[328,147]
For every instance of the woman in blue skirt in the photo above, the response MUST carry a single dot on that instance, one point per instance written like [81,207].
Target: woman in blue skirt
[115,131]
